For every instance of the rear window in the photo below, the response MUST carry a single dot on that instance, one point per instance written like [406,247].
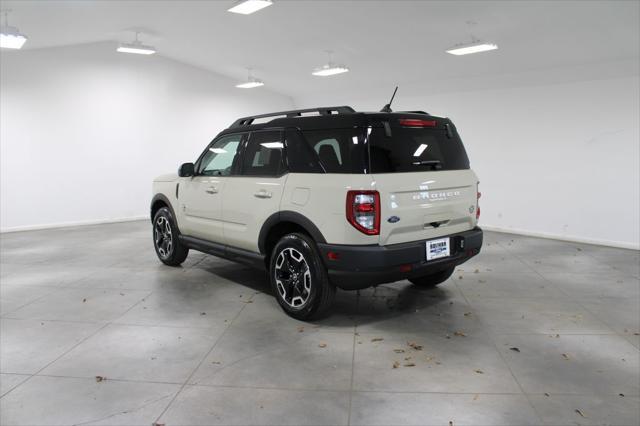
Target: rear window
[408,149]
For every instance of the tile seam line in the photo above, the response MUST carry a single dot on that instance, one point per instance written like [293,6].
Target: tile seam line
[72,348]
[495,345]
[188,379]
[577,301]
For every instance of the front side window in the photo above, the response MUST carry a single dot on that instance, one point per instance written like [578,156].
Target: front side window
[263,154]
[220,156]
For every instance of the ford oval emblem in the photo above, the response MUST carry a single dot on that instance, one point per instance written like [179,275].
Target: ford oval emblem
[393,219]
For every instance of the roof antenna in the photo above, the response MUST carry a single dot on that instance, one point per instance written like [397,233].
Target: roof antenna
[387,107]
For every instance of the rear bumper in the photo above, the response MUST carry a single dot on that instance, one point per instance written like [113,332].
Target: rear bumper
[364,266]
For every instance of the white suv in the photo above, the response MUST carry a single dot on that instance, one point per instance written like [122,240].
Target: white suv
[325,198]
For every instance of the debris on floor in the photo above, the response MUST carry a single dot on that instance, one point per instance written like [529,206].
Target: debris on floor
[322,345]
[479,371]
[581,413]
[100,378]
[377,339]
[300,329]
[565,356]
[399,351]
[415,346]
[459,334]
[396,364]
[514,349]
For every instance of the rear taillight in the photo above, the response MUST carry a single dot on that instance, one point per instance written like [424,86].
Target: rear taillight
[363,211]
[478,205]
[413,122]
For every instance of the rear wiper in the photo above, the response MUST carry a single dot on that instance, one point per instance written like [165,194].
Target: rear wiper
[436,164]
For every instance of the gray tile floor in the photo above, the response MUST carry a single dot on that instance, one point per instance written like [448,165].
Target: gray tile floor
[531,331]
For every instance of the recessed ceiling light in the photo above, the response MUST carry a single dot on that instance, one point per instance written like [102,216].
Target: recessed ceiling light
[251,82]
[137,47]
[475,46]
[330,68]
[10,37]
[247,7]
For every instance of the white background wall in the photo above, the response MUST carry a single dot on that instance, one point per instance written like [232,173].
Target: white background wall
[557,160]
[85,129]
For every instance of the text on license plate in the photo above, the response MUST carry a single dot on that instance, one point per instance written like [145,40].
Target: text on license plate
[438,248]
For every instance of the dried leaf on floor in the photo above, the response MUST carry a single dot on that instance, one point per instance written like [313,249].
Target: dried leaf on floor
[479,371]
[399,351]
[377,339]
[322,345]
[409,364]
[581,413]
[546,394]
[466,314]
[515,349]
[300,329]
[621,395]
[415,346]
[84,300]
[459,334]
[565,356]
[407,358]
[396,364]
[460,277]
[475,398]
[100,378]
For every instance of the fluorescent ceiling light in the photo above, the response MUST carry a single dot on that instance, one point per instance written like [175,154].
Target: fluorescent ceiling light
[250,84]
[247,7]
[475,47]
[137,47]
[140,49]
[10,37]
[330,69]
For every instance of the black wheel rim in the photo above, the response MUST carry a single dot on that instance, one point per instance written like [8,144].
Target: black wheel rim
[163,237]
[293,278]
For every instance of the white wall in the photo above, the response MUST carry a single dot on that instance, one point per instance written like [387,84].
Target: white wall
[557,160]
[85,129]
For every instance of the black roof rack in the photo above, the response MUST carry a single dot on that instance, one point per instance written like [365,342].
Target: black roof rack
[246,121]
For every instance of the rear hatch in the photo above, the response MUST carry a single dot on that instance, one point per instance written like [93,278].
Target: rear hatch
[421,171]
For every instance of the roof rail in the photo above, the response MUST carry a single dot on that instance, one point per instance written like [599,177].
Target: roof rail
[246,121]
[415,112]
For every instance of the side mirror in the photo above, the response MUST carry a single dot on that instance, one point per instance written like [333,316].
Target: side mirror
[186,170]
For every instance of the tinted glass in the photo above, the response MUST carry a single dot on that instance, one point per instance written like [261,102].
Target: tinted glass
[339,150]
[220,156]
[415,149]
[301,158]
[263,155]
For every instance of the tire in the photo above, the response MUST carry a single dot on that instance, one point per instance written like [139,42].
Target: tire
[432,280]
[168,247]
[299,278]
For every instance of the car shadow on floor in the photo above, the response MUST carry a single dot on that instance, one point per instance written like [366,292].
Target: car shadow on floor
[374,304]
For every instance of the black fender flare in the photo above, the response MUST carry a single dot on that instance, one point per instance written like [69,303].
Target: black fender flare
[288,216]
[164,199]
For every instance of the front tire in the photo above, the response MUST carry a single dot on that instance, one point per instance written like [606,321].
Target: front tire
[432,280]
[168,247]
[299,279]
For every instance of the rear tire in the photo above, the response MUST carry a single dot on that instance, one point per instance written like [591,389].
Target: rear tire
[166,239]
[432,280]
[299,278]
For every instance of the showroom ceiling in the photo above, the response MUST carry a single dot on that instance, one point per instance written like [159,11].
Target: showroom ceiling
[381,42]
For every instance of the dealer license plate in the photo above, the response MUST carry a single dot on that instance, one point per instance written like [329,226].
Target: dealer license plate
[437,249]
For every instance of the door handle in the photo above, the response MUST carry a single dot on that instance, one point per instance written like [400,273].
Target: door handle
[263,194]
[212,190]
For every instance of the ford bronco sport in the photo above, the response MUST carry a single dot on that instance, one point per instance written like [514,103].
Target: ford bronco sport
[324,198]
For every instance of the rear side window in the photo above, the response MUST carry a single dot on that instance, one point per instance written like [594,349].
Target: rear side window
[263,154]
[338,150]
[301,158]
[409,149]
